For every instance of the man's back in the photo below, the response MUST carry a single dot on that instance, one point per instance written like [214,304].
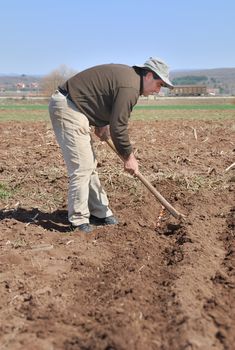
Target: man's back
[95,90]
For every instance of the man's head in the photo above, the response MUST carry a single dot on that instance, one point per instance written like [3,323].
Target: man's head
[155,74]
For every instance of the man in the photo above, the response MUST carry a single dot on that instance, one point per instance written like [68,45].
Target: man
[102,96]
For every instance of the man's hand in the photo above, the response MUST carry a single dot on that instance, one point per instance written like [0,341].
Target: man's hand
[131,164]
[102,132]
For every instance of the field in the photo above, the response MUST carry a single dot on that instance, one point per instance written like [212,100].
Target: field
[149,283]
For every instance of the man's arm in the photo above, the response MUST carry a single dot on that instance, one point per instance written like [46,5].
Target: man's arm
[125,99]
[123,103]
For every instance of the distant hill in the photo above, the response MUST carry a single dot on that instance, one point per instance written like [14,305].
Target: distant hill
[218,78]
[221,78]
[10,82]
[15,78]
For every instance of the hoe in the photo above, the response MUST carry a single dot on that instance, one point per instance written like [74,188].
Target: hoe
[150,187]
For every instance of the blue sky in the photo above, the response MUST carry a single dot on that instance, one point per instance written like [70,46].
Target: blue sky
[39,36]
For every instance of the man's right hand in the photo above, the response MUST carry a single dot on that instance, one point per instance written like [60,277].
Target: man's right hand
[131,164]
[102,132]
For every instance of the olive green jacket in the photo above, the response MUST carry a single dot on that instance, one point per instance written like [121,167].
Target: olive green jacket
[106,94]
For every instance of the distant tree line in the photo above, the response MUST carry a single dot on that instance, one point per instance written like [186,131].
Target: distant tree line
[190,80]
[57,77]
[202,80]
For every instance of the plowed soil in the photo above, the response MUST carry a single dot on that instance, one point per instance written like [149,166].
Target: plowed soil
[151,282]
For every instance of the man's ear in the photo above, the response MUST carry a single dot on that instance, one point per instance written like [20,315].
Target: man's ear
[149,75]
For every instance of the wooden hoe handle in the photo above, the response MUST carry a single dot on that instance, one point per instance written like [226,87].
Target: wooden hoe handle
[150,187]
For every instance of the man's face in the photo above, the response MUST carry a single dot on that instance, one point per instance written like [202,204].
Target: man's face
[150,85]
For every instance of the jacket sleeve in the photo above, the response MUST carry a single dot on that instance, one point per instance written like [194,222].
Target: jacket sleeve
[124,102]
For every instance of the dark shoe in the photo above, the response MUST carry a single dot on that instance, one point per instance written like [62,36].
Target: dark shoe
[109,220]
[87,228]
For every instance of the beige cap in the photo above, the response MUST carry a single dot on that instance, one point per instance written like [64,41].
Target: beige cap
[160,68]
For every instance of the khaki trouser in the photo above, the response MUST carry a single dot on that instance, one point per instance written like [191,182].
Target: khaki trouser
[85,195]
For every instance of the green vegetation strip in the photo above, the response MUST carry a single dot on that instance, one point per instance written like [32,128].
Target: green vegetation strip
[24,107]
[138,107]
[184,107]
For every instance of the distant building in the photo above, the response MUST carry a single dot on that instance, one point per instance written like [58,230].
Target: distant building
[20,86]
[189,90]
[213,92]
[34,85]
